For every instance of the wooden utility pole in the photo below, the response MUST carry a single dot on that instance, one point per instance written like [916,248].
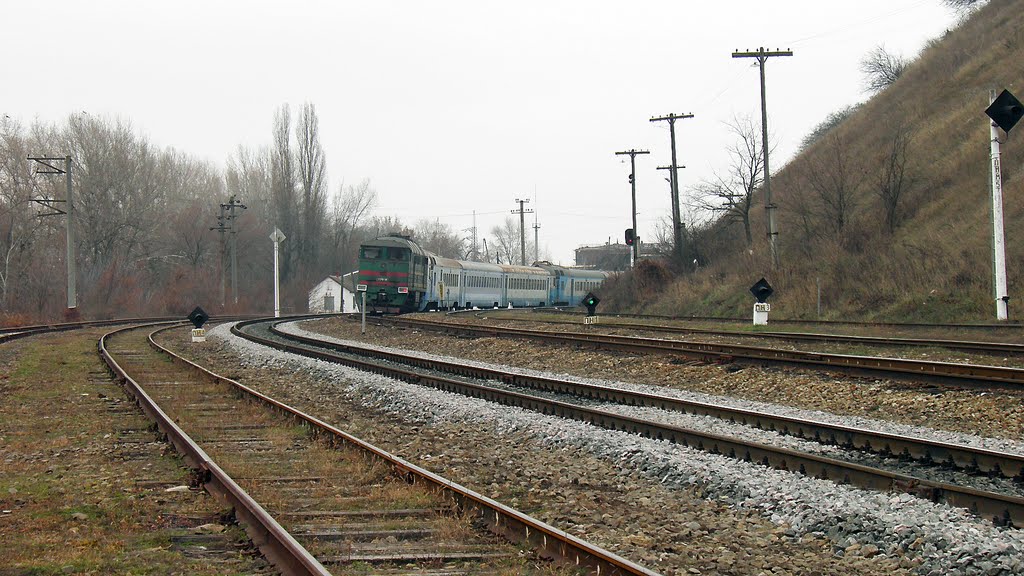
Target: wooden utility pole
[232,204]
[522,228]
[221,228]
[536,239]
[49,167]
[677,221]
[762,56]
[632,152]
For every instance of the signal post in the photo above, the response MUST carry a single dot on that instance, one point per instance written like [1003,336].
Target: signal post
[632,152]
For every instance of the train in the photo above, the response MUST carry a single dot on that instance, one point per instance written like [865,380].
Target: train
[399,276]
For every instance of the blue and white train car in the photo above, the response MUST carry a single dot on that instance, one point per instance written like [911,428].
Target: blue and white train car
[570,285]
[526,286]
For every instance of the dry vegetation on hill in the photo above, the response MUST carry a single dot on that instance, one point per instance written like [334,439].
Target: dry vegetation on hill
[923,253]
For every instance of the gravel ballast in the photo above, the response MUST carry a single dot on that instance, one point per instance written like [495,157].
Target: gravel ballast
[640,504]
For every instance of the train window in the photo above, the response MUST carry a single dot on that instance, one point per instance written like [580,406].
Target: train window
[398,253]
[371,253]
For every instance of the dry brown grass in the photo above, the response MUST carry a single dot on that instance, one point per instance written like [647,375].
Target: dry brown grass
[936,264]
[70,498]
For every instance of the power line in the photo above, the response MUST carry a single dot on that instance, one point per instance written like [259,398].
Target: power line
[762,56]
[677,231]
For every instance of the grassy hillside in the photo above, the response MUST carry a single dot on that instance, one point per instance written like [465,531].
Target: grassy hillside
[930,258]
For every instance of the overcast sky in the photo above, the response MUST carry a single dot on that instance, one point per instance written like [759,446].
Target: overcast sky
[455,107]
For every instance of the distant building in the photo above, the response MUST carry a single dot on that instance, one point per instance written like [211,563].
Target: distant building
[611,257]
[615,257]
[333,295]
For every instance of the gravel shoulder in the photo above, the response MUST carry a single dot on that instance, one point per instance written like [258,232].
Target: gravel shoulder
[666,522]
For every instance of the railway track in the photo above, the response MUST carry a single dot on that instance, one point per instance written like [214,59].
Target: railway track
[946,372]
[972,346]
[984,326]
[312,496]
[1001,508]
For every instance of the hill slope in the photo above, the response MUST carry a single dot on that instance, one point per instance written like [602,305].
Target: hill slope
[926,257]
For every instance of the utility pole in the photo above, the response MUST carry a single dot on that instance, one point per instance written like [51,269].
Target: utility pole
[49,167]
[232,204]
[677,221]
[476,253]
[522,228]
[536,241]
[221,228]
[632,152]
[763,55]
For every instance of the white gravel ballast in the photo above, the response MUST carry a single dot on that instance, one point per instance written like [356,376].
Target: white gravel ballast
[947,540]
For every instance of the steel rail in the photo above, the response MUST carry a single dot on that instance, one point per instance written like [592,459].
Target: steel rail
[500,519]
[962,345]
[1009,325]
[279,547]
[965,374]
[965,457]
[8,333]
[1000,508]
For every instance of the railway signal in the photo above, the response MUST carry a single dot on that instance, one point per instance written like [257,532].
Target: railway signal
[198,317]
[630,237]
[761,291]
[591,302]
[1005,110]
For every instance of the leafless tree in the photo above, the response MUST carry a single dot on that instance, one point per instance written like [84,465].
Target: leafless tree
[881,68]
[439,238]
[893,180]
[284,186]
[831,121]
[350,207]
[963,6]
[506,241]
[732,194]
[17,227]
[312,170]
[834,182]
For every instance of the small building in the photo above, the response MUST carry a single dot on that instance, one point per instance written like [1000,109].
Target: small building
[610,257]
[333,295]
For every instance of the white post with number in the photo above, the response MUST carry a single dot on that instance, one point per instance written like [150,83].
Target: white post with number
[362,288]
[277,237]
[761,310]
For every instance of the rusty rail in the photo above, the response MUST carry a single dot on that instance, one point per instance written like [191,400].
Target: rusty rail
[949,372]
[1001,509]
[274,542]
[965,457]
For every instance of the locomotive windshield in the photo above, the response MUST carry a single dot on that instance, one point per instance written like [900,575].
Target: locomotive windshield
[398,253]
[371,252]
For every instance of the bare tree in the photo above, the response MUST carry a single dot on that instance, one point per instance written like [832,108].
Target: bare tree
[284,188]
[350,208]
[439,238]
[881,69]
[506,241]
[732,194]
[963,6]
[312,169]
[17,229]
[834,182]
[830,122]
[893,181]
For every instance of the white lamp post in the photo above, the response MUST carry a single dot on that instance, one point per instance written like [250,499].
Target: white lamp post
[277,237]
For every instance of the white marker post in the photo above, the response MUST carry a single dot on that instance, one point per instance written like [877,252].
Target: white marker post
[761,310]
[998,240]
[362,288]
[277,237]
